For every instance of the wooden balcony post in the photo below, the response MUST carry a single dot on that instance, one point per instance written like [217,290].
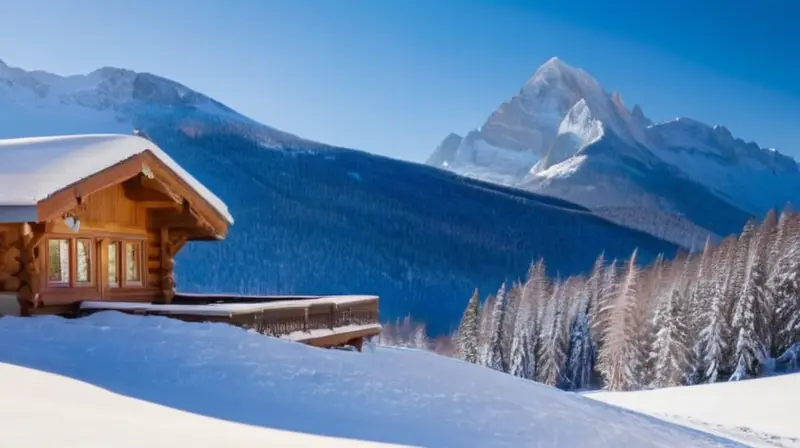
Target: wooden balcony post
[332,317]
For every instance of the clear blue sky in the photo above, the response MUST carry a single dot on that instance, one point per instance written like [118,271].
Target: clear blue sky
[395,76]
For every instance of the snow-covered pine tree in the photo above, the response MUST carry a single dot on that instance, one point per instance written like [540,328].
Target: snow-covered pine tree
[669,349]
[740,262]
[485,326]
[467,336]
[495,356]
[617,357]
[608,283]
[579,370]
[419,338]
[525,343]
[510,315]
[715,334]
[553,341]
[654,282]
[698,305]
[749,309]
[784,284]
[523,360]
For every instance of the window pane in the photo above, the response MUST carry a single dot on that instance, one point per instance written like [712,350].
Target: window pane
[132,262]
[58,261]
[113,265]
[83,254]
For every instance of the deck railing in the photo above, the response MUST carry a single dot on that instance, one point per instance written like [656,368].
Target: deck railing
[297,317]
[314,316]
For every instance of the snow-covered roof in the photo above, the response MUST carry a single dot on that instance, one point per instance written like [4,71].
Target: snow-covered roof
[32,169]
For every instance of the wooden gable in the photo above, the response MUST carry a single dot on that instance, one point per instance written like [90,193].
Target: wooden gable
[146,183]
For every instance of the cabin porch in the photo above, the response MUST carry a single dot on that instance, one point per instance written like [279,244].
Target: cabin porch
[320,321]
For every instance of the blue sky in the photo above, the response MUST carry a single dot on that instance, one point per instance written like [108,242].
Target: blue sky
[395,76]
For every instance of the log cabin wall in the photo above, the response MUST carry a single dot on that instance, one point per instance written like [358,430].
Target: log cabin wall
[107,218]
[9,267]
[9,257]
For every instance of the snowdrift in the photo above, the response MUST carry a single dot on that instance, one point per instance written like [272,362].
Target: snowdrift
[225,373]
[759,412]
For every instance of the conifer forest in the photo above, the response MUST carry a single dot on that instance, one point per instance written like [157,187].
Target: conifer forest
[727,312]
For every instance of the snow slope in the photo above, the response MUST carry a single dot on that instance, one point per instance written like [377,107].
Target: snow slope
[564,135]
[759,412]
[316,220]
[80,414]
[225,373]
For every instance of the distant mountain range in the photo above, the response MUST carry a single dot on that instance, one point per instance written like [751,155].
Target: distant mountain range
[315,219]
[563,135]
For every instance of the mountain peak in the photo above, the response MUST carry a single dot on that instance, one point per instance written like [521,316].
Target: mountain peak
[556,63]
[553,68]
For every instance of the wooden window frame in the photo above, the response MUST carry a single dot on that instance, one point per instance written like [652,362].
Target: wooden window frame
[51,283]
[72,247]
[74,283]
[98,267]
[122,262]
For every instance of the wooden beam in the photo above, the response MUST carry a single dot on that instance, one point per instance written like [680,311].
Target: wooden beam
[167,267]
[141,189]
[159,204]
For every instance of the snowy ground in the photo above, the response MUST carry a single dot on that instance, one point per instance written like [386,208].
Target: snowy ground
[206,382]
[760,412]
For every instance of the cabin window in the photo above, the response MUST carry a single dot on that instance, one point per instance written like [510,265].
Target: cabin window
[133,262]
[83,261]
[113,265]
[125,264]
[58,261]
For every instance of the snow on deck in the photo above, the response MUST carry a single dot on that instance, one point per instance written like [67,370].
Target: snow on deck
[317,333]
[221,309]
[396,396]
[34,168]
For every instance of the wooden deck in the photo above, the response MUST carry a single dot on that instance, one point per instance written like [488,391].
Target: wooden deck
[321,321]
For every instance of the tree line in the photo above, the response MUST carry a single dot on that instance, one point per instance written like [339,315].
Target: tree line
[728,312]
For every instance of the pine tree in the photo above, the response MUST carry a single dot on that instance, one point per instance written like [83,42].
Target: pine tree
[617,359]
[670,348]
[553,342]
[715,333]
[581,352]
[467,336]
[748,315]
[485,327]
[495,350]
[523,360]
[535,294]
[654,283]
[784,285]
[510,316]
[699,303]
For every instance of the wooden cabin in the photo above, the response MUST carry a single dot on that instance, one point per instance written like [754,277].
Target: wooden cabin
[95,217]
[92,223]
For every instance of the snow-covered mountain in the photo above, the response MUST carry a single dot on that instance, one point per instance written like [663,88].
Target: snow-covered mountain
[564,135]
[314,219]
